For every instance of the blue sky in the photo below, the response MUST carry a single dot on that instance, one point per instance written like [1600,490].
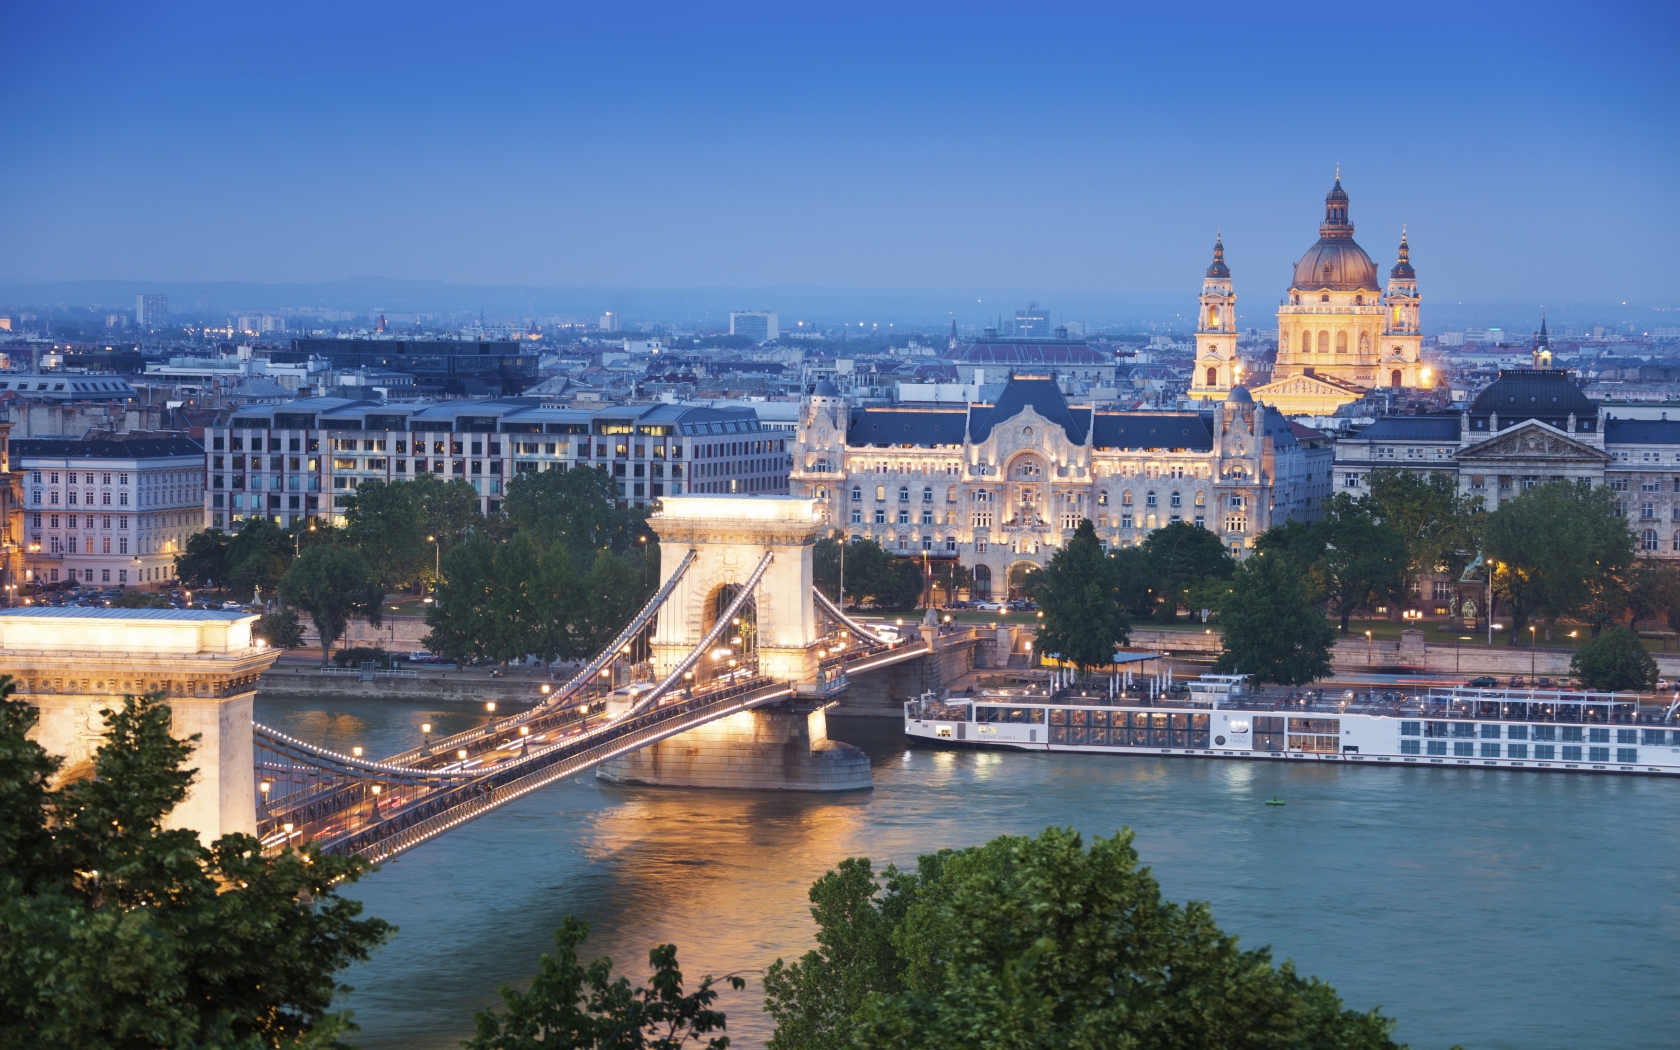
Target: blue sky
[1531,149]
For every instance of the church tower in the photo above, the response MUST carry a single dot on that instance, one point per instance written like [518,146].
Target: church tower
[1401,364]
[1217,370]
[1542,348]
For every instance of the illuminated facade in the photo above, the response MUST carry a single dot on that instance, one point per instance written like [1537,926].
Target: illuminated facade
[72,663]
[996,486]
[1339,334]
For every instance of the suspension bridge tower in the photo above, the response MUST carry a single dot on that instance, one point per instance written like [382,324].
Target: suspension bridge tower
[762,544]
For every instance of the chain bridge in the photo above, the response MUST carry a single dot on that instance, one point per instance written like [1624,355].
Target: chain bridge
[735,626]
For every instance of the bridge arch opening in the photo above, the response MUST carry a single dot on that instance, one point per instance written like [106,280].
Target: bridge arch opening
[1023,580]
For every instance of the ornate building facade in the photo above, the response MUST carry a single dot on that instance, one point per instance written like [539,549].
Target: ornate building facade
[996,486]
[1339,333]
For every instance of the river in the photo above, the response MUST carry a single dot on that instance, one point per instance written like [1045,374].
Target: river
[1492,909]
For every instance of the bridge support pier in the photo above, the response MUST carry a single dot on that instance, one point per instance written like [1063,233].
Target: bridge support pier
[776,748]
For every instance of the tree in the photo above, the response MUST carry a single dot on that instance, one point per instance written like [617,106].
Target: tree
[825,567]
[386,525]
[1653,588]
[1079,592]
[461,620]
[1183,556]
[580,508]
[140,600]
[1135,580]
[117,932]
[1615,660]
[333,584]
[576,1007]
[1363,559]
[1557,549]
[280,629]
[204,560]
[258,556]
[1439,527]
[1269,627]
[1039,942]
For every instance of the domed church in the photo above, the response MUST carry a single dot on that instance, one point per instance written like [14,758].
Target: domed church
[1339,335]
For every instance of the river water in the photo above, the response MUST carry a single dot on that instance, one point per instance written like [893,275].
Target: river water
[1492,909]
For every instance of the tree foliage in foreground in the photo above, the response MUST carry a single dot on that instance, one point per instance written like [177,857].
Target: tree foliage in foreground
[575,1007]
[115,932]
[1557,551]
[1040,942]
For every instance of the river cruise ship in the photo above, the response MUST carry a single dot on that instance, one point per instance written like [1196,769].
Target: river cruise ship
[1540,731]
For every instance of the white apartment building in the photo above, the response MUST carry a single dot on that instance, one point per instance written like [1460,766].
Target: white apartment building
[113,512]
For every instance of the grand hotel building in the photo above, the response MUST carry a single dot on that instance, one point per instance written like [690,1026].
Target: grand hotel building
[1000,485]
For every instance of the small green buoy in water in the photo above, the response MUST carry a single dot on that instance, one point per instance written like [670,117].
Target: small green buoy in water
[1274,801]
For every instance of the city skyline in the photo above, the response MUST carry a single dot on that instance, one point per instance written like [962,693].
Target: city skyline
[1531,160]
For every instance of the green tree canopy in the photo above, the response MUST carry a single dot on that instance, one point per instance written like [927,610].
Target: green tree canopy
[575,1007]
[1270,628]
[258,555]
[1440,528]
[580,508]
[394,525]
[1184,555]
[1614,661]
[1080,594]
[1039,942]
[1363,559]
[1558,551]
[204,559]
[873,576]
[280,629]
[117,932]
[333,584]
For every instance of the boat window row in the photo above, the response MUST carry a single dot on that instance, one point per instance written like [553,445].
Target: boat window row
[1561,708]
[1569,734]
[1129,728]
[1535,752]
[1022,715]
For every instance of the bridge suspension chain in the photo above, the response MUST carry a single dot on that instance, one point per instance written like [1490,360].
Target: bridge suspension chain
[839,614]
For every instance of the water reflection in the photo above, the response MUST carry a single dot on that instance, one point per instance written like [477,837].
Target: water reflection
[1370,877]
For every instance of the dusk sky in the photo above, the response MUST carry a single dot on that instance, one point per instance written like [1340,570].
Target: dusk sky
[1533,150]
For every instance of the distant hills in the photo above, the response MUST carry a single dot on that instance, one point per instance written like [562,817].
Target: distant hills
[913,309]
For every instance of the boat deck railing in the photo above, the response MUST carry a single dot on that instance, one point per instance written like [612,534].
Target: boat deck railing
[1489,705]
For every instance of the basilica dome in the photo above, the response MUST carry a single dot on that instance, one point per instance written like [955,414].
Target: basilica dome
[1336,263]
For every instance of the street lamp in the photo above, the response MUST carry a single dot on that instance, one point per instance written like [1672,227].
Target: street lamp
[1367,648]
[490,724]
[524,741]
[437,560]
[425,738]
[1532,645]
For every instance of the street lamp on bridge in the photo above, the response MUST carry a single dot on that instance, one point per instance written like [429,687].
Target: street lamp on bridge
[426,738]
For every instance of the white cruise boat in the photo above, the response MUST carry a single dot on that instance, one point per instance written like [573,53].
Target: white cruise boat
[1541,731]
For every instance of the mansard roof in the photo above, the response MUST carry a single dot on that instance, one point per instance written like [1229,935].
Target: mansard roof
[1412,428]
[1042,395]
[924,427]
[1533,393]
[1121,430]
[1616,432]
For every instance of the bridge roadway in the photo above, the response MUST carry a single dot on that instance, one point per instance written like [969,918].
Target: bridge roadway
[377,809]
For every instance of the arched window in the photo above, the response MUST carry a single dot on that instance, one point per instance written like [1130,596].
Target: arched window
[1213,317]
[1648,539]
[1149,498]
[1126,498]
[857,493]
[1177,500]
[1324,342]
[904,494]
[880,493]
[1341,342]
[982,581]
[1213,377]
[1102,498]
[927,495]
[1394,378]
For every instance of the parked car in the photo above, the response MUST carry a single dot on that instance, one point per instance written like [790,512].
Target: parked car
[1484,682]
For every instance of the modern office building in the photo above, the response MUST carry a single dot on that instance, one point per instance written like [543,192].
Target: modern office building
[112,512]
[299,460]
[761,326]
[438,366]
[151,311]
[1031,323]
[1001,485]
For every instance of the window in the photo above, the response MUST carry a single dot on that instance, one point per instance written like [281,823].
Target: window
[1627,754]
[1598,754]
[1464,749]
[857,516]
[1598,736]
[927,495]
[1149,499]
[1544,732]
[1570,754]
[857,493]
[1411,747]
[880,516]
[927,517]
[1490,750]
[880,493]
[1490,731]
[904,494]
[1544,752]
[1648,538]
[1126,521]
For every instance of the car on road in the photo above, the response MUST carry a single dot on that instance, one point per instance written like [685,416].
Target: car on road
[1484,682]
